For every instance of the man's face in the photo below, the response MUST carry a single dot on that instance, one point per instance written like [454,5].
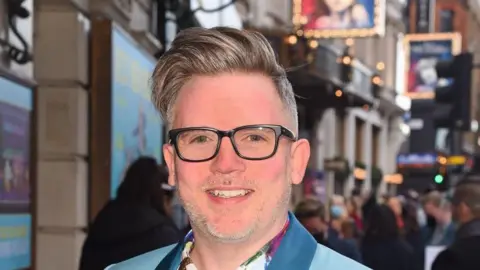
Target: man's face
[430,209]
[225,102]
[313,224]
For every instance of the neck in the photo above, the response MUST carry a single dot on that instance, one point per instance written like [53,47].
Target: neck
[229,256]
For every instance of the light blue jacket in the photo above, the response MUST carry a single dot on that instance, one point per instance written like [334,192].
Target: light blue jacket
[298,250]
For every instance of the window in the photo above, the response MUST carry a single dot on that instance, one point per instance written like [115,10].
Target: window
[446,20]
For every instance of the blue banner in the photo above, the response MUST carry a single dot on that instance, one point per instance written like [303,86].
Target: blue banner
[136,124]
[416,159]
[15,188]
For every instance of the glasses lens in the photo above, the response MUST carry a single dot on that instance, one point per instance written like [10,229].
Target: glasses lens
[197,144]
[258,142]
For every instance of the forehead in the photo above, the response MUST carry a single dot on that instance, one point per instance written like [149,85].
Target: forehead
[227,101]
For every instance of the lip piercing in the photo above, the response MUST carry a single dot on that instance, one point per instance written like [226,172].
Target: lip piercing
[227,182]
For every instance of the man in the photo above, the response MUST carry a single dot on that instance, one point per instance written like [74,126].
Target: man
[311,214]
[233,154]
[440,230]
[463,253]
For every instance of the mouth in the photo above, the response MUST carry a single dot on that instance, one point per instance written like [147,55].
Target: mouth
[228,194]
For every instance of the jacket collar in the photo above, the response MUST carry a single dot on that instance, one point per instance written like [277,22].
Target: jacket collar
[469,229]
[294,258]
[286,257]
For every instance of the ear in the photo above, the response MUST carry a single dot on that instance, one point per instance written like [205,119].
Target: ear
[300,154]
[169,156]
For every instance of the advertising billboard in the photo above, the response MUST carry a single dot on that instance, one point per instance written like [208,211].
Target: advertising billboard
[422,52]
[136,125]
[339,18]
[15,189]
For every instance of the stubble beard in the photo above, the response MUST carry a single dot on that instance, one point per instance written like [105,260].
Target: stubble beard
[199,221]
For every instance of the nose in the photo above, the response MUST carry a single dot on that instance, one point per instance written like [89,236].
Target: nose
[227,161]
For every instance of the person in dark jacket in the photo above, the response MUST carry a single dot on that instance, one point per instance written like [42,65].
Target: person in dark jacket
[311,213]
[133,223]
[383,248]
[413,233]
[340,234]
[464,254]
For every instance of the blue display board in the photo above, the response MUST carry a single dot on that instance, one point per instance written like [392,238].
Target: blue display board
[136,124]
[15,186]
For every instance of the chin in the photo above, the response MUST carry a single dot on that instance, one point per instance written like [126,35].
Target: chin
[230,225]
[230,233]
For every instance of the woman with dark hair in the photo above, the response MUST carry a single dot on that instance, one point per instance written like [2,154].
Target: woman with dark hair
[413,233]
[135,222]
[383,248]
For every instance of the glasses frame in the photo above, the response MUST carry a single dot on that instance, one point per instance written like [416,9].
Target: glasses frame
[278,129]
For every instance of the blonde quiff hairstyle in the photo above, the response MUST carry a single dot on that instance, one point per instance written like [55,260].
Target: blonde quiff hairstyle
[200,51]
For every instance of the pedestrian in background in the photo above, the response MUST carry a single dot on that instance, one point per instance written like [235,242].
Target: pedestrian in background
[464,254]
[136,221]
[383,247]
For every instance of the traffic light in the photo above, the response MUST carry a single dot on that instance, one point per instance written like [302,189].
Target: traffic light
[441,179]
[452,100]
[438,179]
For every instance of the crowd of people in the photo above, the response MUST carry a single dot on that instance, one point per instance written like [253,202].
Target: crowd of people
[393,232]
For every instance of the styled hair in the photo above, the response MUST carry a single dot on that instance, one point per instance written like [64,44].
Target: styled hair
[434,197]
[201,51]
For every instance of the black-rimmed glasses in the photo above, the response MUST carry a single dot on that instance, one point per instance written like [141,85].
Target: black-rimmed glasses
[252,142]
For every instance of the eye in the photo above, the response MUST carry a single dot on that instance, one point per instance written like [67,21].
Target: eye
[200,139]
[255,138]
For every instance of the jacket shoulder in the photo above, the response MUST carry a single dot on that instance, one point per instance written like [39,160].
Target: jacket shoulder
[146,261]
[327,259]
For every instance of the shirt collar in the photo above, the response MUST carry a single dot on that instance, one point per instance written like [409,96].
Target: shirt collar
[267,251]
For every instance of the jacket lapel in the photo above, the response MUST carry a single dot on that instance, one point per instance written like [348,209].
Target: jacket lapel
[297,249]
[172,259]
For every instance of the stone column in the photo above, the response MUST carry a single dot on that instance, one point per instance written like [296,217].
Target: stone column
[384,155]
[367,154]
[328,145]
[61,70]
[350,127]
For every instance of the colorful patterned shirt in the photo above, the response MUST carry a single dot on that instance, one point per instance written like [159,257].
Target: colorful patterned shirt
[259,261]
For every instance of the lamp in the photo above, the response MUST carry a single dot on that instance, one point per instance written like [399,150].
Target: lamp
[15,10]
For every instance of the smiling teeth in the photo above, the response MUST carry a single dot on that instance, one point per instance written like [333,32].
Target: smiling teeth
[229,193]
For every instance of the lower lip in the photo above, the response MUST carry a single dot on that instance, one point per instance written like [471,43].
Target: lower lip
[232,200]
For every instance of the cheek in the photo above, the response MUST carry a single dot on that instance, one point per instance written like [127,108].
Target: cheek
[191,176]
[267,172]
